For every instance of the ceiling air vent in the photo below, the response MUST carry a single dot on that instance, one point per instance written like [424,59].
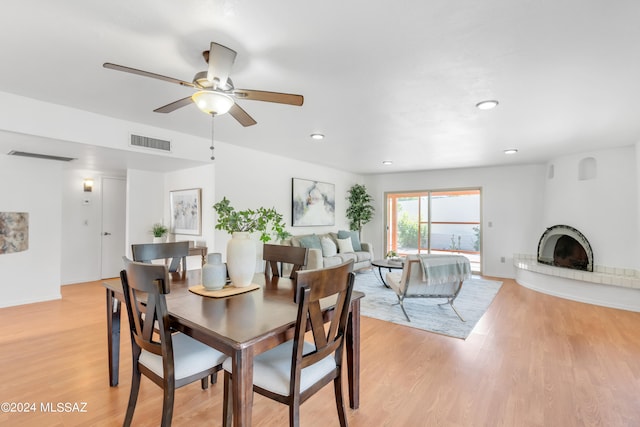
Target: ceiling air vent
[153,143]
[40,156]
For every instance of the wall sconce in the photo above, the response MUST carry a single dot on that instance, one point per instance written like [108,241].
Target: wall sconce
[88,185]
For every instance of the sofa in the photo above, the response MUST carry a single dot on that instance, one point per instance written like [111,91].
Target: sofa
[329,249]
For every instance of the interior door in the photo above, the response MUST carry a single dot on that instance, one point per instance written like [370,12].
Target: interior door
[113,225]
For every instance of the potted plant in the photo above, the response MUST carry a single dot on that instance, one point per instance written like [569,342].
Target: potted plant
[159,231]
[241,250]
[360,211]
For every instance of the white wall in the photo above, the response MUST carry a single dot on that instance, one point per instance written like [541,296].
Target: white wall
[33,186]
[511,201]
[604,209]
[145,206]
[250,179]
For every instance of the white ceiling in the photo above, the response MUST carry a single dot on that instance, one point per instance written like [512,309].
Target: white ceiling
[383,80]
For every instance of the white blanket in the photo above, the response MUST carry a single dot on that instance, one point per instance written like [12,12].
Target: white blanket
[440,269]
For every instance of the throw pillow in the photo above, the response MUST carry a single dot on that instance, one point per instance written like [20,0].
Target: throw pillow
[328,247]
[355,238]
[345,246]
[311,242]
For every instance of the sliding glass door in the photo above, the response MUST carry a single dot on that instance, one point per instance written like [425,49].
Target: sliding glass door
[443,221]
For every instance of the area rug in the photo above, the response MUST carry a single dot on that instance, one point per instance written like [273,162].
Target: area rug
[425,313]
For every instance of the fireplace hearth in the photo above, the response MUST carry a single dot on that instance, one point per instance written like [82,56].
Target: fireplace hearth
[564,246]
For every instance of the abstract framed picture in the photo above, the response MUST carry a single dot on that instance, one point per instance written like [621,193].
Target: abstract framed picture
[186,211]
[14,232]
[313,203]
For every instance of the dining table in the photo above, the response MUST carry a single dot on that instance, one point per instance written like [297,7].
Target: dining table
[240,326]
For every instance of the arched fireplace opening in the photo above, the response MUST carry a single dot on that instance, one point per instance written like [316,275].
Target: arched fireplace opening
[564,246]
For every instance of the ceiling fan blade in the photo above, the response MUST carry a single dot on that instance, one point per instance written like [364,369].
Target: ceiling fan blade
[174,105]
[221,59]
[241,116]
[146,74]
[260,95]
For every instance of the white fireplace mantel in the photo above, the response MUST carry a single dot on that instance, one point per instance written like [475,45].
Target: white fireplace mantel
[605,286]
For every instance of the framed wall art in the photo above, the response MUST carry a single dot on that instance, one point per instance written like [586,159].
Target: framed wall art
[186,211]
[14,232]
[313,203]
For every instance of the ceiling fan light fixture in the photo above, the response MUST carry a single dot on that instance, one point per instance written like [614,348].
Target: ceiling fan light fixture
[212,102]
[487,105]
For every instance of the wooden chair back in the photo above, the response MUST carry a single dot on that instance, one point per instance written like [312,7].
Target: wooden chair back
[175,252]
[144,287]
[277,255]
[313,286]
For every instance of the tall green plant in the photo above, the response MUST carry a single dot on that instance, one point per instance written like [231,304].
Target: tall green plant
[360,210]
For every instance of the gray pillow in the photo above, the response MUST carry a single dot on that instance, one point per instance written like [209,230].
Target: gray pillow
[355,238]
[311,242]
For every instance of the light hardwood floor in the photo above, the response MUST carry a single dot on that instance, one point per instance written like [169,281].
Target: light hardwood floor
[532,360]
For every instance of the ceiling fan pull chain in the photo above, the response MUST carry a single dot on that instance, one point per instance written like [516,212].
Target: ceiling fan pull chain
[212,148]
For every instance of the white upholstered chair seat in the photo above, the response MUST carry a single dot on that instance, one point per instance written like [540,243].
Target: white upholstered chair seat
[190,357]
[272,369]
[418,286]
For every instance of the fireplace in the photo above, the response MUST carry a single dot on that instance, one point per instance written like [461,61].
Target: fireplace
[564,246]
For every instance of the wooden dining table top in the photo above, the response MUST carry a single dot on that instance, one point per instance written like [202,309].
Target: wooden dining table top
[235,321]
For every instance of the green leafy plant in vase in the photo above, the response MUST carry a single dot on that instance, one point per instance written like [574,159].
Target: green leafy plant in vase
[159,231]
[267,222]
[241,250]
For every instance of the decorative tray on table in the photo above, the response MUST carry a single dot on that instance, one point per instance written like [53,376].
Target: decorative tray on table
[227,291]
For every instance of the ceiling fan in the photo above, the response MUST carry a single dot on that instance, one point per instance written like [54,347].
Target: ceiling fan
[215,91]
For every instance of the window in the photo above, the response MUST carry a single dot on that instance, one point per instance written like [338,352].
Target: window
[443,221]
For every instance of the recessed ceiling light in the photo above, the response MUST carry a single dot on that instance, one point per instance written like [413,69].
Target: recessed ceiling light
[317,136]
[387,162]
[511,151]
[487,105]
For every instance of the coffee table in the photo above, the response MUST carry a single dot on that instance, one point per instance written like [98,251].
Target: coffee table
[385,263]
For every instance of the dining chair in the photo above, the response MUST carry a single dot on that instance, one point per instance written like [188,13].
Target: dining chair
[175,252]
[295,370]
[171,360]
[278,255]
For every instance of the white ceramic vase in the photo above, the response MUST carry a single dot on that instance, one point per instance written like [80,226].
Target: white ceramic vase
[158,239]
[241,259]
[214,272]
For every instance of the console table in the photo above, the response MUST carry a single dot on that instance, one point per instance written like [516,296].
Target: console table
[199,250]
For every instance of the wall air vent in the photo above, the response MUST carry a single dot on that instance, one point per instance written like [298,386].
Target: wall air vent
[153,143]
[40,156]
